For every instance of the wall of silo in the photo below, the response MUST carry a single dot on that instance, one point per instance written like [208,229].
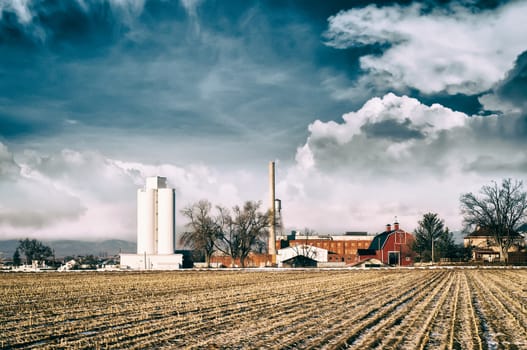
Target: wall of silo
[146,221]
[166,221]
[141,237]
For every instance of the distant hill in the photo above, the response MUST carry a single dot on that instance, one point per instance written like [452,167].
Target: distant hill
[64,248]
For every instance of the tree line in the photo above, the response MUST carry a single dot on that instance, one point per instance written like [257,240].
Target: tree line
[500,208]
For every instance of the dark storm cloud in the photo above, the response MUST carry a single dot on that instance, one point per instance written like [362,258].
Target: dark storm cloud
[11,127]
[393,129]
[514,87]
[509,99]
[226,71]
[62,25]
[229,69]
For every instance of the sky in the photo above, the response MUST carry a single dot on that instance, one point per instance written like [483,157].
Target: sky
[371,110]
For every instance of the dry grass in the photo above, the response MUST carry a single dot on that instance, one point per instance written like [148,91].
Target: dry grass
[405,309]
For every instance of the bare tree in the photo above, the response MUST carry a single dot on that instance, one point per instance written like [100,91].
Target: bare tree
[430,230]
[34,250]
[242,229]
[501,209]
[204,229]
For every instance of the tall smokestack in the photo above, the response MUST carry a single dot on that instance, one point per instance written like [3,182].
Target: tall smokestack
[272,215]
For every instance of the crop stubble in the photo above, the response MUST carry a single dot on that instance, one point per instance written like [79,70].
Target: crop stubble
[313,309]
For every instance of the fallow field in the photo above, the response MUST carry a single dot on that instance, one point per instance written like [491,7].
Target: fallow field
[365,309]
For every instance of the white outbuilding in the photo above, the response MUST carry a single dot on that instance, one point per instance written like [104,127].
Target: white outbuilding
[303,253]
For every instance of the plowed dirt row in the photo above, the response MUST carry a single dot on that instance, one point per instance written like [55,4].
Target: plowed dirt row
[308,309]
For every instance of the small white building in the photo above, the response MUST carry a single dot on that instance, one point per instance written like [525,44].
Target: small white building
[287,256]
[156,229]
[151,261]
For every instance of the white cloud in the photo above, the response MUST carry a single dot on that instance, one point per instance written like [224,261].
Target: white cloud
[128,9]
[19,7]
[86,195]
[191,6]
[396,157]
[457,51]
[385,130]
[392,157]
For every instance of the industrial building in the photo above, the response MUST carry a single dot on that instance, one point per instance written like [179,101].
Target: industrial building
[156,229]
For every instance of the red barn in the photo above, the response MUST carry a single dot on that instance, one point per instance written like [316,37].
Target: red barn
[392,247]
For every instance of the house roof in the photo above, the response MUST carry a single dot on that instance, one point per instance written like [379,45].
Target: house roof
[486,232]
[486,251]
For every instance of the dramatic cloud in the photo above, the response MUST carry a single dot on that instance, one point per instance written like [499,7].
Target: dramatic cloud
[383,132]
[97,95]
[454,50]
[390,157]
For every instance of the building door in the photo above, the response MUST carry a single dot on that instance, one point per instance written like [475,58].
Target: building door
[393,258]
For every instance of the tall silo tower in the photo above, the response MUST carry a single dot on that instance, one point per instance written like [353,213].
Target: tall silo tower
[156,217]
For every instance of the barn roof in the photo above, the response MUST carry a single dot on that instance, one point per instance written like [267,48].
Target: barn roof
[380,239]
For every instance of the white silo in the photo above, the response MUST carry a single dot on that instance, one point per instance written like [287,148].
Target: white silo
[156,218]
[146,221]
[165,221]
[141,237]
[156,229]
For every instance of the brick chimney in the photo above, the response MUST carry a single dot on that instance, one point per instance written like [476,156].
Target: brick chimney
[396,226]
[388,228]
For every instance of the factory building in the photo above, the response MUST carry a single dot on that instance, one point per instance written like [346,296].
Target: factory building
[156,228]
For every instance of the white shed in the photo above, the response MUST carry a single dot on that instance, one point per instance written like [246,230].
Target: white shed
[303,250]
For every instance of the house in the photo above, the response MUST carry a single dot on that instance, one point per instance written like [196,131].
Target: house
[484,245]
[391,247]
